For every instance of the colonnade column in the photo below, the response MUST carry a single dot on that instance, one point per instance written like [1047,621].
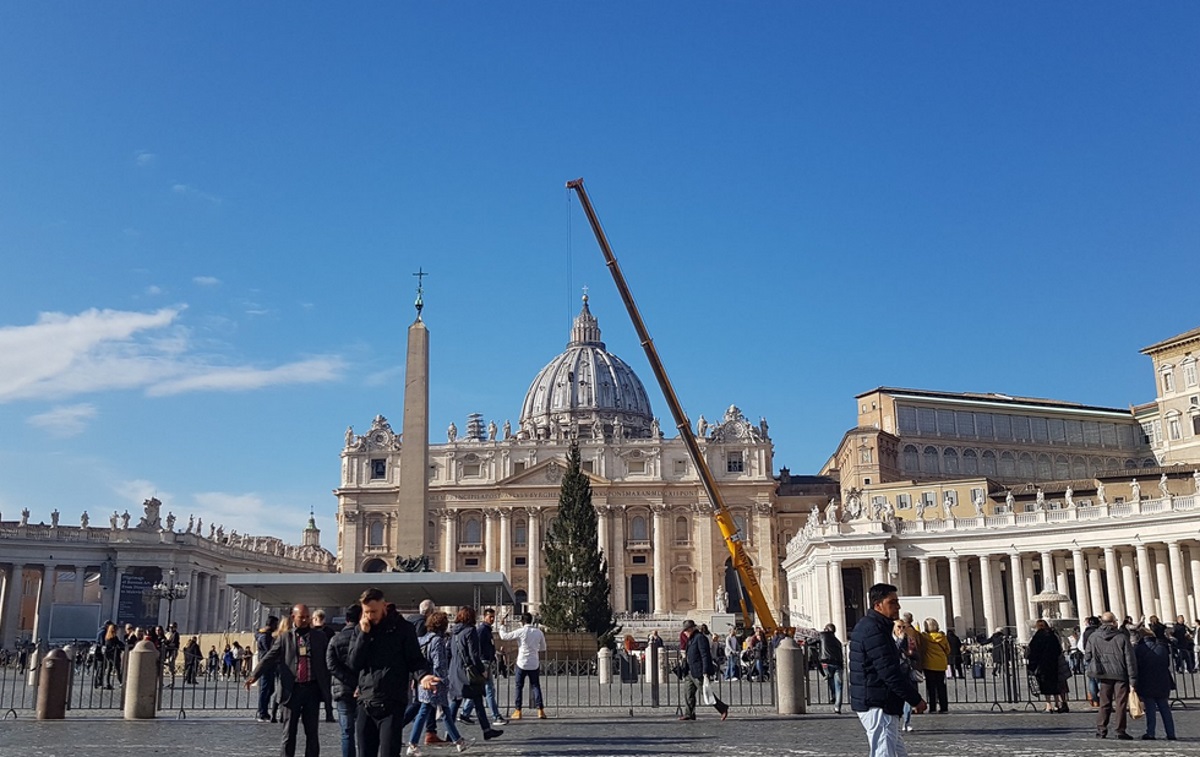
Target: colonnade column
[1020,598]
[489,541]
[956,608]
[1166,605]
[1112,571]
[214,596]
[1095,588]
[1132,606]
[534,559]
[505,565]
[926,576]
[13,586]
[80,581]
[837,598]
[1082,603]
[118,577]
[1145,579]
[968,595]
[1178,581]
[1194,563]
[1060,581]
[989,600]
[662,571]
[41,625]
[881,570]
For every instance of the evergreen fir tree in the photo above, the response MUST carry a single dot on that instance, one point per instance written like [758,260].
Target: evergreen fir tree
[576,596]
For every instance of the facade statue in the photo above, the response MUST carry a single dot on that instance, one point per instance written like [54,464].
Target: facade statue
[722,600]
[1069,497]
[151,520]
[220,533]
[452,432]
[191,523]
[889,512]
[492,431]
[1196,481]
[655,429]
[1135,491]
[171,522]
[948,507]
[1009,501]
[1101,494]
[618,429]
[831,511]
[507,430]
[199,527]
[349,435]
[212,531]
[1039,502]
[54,518]
[978,502]
[1163,488]
[853,509]
[920,508]
[701,427]
[25,516]
[113,520]
[125,520]
[83,520]
[762,427]
[598,431]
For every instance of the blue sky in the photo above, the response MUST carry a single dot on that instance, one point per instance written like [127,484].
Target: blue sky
[209,215]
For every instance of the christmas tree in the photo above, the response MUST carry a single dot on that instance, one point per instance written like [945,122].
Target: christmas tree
[577,588]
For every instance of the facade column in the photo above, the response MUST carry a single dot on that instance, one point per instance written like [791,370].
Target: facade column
[620,600]
[881,570]
[968,595]
[956,607]
[449,541]
[1060,581]
[80,581]
[184,611]
[1048,570]
[1178,581]
[603,542]
[707,567]
[1020,598]
[1166,604]
[41,624]
[989,599]
[1083,605]
[662,571]
[1145,580]
[927,588]
[837,599]
[1030,588]
[1131,606]
[1095,587]
[10,622]
[489,541]
[505,565]
[822,608]
[534,558]
[214,623]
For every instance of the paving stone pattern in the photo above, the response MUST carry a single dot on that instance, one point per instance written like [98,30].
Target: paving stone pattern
[958,734]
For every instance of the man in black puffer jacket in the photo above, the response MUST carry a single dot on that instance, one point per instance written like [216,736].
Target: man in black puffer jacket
[879,683]
[385,654]
[344,680]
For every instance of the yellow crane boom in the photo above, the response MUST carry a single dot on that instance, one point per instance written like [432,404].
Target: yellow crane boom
[733,539]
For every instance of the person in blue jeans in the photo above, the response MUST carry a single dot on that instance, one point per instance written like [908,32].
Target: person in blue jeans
[266,687]
[1154,681]
[344,680]
[833,660]
[487,651]
[436,647]
[531,643]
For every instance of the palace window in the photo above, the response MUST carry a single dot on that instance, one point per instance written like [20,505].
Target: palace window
[950,459]
[1189,371]
[472,532]
[1174,429]
[472,470]
[911,459]
[903,501]
[375,534]
[931,460]
[1168,381]
[638,530]
[970,462]
[378,468]
[637,466]
[520,534]
[929,499]
[683,534]
[734,463]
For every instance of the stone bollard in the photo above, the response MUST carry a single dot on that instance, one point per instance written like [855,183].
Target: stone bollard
[69,651]
[604,665]
[54,687]
[141,682]
[35,658]
[790,663]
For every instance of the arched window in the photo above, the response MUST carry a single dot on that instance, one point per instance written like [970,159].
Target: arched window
[683,534]
[374,565]
[1025,466]
[911,461]
[1008,465]
[1130,464]
[520,597]
[520,533]
[683,589]
[638,530]
[1045,470]
[740,522]
[1080,468]
[989,463]
[472,532]
[970,462]
[931,461]
[1062,467]
[950,460]
[375,534]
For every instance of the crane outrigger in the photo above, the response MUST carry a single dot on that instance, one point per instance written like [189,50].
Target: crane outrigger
[733,539]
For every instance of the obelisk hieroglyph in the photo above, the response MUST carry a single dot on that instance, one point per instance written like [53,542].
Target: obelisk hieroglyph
[414,451]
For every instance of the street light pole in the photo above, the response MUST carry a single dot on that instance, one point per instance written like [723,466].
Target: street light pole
[170,590]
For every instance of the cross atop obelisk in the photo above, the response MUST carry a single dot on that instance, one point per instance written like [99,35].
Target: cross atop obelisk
[420,303]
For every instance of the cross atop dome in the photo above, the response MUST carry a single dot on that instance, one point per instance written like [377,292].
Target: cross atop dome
[585,332]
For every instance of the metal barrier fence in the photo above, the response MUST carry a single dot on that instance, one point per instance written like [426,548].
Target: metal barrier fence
[566,684]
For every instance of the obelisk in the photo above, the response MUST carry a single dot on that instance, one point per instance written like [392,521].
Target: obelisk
[414,451]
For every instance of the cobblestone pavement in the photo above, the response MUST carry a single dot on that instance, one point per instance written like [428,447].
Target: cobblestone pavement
[958,734]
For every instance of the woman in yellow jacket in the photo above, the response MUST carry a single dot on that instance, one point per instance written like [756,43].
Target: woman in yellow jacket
[937,658]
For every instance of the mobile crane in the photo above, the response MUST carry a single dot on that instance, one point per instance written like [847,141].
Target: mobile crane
[733,539]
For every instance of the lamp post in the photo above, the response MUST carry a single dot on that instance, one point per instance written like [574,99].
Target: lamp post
[170,590]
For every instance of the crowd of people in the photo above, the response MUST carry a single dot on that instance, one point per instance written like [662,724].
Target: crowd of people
[1128,667]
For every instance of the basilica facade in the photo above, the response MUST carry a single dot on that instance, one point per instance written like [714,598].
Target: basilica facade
[493,490]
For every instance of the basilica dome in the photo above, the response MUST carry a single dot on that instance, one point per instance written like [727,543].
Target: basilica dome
[586,391]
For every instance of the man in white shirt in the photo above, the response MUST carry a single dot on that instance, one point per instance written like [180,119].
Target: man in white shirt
[532,642]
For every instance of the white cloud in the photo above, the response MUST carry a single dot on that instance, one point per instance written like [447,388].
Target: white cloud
[251,514]
[206,281]
[190,191]
[65,420]
[154,289]
[315,370]
[144,158]
[138,490]
[97,350]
